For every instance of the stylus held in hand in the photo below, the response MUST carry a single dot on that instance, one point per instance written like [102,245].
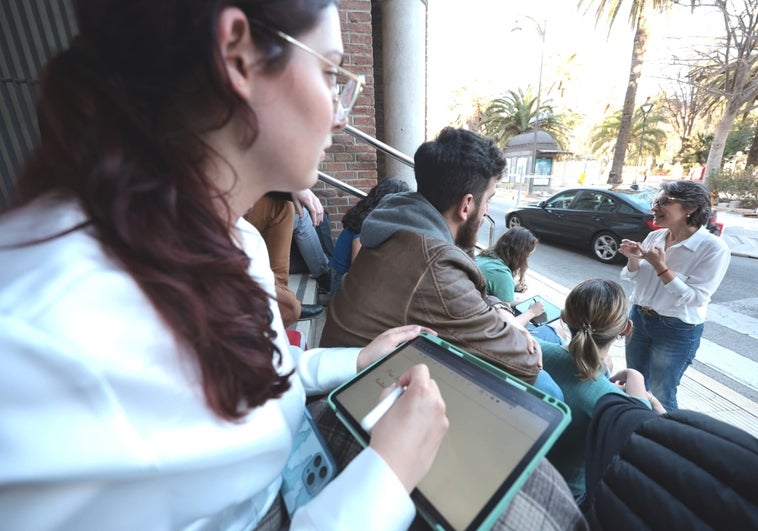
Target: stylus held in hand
[373,416]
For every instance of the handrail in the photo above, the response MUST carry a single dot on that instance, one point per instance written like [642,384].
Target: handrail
[378,144]
[328,179]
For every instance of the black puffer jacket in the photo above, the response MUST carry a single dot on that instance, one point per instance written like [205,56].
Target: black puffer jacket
[682,470]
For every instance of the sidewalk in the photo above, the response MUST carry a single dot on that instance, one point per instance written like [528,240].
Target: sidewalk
[697,391]
[740,231]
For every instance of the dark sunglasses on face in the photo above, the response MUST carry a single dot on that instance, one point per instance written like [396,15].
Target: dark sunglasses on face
[663,201]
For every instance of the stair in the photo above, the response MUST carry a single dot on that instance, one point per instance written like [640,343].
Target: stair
[305,288]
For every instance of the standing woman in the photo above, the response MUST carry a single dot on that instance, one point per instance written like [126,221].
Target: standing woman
[147,379]
[675,271]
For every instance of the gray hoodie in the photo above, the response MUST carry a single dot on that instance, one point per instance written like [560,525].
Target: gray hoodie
[404,211]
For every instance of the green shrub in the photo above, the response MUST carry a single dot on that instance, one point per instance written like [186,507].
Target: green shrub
[730,185]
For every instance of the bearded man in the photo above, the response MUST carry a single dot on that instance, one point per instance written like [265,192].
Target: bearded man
[415,264]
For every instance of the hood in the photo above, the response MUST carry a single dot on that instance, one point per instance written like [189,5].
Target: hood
[408,211]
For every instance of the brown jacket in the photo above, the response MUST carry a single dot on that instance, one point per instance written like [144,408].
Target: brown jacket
[414,278]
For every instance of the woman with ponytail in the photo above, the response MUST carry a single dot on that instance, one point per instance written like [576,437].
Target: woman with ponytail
[596,313]
[147,379]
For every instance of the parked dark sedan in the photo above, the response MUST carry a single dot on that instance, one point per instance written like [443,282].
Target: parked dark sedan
[596,219]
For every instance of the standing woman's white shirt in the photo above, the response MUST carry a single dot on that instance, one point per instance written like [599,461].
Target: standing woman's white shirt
[699,262]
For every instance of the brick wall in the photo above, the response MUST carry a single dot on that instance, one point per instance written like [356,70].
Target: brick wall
[349,160]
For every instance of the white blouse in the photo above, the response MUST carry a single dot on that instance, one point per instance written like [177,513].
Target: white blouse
[103,421]
[700,263]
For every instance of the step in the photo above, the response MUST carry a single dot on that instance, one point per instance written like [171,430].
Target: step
[305,289]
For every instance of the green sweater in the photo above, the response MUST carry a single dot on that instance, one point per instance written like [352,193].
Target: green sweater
[568,454]
[499,278]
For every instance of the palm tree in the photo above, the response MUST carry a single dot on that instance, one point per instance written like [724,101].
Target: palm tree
[516,112]
[604,135]
[638,13]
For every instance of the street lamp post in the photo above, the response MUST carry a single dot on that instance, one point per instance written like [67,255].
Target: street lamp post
[541,31]
[645,109]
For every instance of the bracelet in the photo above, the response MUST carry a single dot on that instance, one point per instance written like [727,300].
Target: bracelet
[663,272]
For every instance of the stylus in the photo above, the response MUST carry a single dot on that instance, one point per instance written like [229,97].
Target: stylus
[373,416]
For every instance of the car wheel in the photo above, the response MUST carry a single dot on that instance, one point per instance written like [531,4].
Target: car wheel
[605,247]
[514,221]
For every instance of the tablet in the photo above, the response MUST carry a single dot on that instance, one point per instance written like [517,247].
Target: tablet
[551,313]
[500,427]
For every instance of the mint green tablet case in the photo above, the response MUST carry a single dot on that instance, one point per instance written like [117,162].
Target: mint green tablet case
[564,410]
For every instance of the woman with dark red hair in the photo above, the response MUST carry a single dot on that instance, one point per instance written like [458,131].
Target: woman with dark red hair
[147,380]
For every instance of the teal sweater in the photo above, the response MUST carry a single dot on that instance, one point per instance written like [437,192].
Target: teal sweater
[499,278]
[568,454]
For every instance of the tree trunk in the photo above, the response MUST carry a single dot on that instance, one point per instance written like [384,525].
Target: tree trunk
[752,155]
[716,153]
[625,127]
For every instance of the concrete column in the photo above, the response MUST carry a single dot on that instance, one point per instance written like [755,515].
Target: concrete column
[404,57]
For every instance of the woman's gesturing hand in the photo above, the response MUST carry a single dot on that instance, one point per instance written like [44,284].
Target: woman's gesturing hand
[631,249]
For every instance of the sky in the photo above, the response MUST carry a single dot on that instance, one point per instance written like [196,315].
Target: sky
[473,50]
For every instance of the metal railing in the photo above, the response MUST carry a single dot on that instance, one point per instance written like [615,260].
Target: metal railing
[395,154]
[332,181]
[378,144]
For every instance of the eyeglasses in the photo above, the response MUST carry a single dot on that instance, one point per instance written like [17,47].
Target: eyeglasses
[347,92]
[663,201]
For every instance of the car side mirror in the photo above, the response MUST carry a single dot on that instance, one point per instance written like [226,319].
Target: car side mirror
[542,204]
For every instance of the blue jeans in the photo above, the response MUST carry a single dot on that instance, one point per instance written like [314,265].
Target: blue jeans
[545,333]
[661,348]
[305,236]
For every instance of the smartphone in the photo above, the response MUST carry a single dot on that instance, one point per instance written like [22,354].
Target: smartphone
[310,466]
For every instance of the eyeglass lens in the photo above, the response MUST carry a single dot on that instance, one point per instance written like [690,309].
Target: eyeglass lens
[662,201]
[348,95]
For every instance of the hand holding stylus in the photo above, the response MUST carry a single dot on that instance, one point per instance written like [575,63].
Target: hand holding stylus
[408,433]
[373,416]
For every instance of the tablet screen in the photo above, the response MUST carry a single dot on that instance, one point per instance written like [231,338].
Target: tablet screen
[551,313]
[497,427]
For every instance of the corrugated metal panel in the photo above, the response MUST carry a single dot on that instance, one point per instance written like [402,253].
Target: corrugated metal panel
[31,31]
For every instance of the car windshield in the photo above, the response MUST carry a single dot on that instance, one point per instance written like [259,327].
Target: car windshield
[641,198]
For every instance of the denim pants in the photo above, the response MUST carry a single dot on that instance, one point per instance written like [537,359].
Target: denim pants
[308,243]
[544,332]
[661,348]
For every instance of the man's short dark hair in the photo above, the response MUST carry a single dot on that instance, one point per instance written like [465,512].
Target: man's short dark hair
[456,163]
